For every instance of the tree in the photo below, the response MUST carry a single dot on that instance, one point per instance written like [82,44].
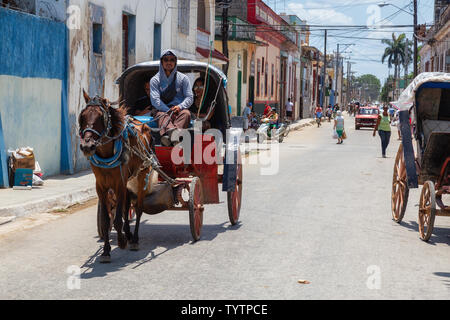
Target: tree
[395,53]
[370,86]
[387,88]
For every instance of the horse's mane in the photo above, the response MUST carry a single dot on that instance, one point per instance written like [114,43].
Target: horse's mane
[117,120]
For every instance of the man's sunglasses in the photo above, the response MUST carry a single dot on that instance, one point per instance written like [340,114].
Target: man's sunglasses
[169,59]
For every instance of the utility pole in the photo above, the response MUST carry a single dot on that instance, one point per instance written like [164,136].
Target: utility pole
[415,39]
[225,28]
[341,99]
[324,70]
[336,75]
[349,66]
[407,62]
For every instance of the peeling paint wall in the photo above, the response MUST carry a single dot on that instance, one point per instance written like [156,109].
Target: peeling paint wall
[32,77]
[83,63]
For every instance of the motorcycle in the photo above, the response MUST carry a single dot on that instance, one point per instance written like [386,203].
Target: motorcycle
[268,131]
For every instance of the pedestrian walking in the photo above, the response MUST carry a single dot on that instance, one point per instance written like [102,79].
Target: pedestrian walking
[384,130]
[339,127]
[318,113]
[329,113]
[289,105]
[247,115]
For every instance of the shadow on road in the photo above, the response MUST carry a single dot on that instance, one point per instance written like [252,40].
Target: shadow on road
[444,275]
[440,235]
[155,240]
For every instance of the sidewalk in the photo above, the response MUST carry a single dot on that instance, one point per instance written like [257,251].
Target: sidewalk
[61,192]
[58,192]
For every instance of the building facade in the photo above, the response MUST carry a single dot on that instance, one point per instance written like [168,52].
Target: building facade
[435,53]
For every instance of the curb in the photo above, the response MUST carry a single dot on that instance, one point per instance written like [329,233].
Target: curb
[297,126]
[63,201]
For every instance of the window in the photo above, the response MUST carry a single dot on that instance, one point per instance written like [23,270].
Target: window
[258,74]
[272,81]
[183,16]
[265,81]
[201,15]
[97,38]
[128,40]
[156,41]
[245,67]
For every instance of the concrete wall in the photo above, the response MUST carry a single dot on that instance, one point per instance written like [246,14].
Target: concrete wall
[32,80]
[80,43]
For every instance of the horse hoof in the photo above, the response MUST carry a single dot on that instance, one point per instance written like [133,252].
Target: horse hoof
[123,243]
[105,259]
[134,246]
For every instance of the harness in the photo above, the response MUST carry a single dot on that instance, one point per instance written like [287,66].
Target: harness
[122,142]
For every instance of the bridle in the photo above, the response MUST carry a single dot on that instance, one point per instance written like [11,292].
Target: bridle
[107,124]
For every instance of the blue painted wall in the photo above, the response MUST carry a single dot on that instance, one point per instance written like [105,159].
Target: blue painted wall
[33,72]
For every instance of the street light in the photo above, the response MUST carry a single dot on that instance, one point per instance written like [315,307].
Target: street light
[414,14]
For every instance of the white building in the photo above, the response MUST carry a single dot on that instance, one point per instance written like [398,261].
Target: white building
[106,37]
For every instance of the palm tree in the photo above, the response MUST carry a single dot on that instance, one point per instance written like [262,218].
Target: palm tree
[395,53]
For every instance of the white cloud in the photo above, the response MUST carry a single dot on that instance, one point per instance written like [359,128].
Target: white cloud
[325,15]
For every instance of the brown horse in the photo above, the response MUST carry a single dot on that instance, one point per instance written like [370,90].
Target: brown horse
[118,161]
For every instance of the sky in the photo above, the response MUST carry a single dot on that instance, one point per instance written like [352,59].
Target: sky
[365,54]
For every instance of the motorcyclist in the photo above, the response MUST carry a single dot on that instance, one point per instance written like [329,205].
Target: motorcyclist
[272,119]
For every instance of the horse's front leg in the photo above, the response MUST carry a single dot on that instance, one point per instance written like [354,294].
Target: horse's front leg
[105,224]
[121,195]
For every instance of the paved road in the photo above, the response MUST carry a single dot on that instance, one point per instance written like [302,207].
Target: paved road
[324,217]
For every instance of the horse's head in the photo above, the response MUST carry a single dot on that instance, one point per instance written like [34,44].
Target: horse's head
[94,123]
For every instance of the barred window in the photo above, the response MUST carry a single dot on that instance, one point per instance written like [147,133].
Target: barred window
[183,16]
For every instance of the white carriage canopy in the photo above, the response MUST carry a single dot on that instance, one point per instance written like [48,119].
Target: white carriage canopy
[408,95]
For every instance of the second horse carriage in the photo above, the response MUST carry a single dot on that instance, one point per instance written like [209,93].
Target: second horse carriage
[189,173]
[426,102]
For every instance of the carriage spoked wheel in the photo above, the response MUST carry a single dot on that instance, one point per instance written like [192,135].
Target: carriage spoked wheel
[235,198]
[400,189]
[427,210]
[196,208]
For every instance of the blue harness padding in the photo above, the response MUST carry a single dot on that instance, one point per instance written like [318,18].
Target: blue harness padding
[148,121]
[112,162]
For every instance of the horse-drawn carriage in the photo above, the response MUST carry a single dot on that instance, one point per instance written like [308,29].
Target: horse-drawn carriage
[426,102]
[190,172]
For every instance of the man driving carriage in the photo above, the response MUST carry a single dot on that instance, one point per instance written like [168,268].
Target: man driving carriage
[171,94]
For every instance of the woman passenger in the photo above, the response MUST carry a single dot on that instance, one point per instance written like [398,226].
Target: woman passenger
[198,89]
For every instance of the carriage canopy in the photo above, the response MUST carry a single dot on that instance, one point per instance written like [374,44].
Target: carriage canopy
[408,95]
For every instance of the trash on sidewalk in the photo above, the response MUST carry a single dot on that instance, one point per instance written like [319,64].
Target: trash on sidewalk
[24,170]
[23,178]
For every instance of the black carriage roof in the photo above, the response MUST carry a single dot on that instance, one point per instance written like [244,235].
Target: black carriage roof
[130,85]
[184,66]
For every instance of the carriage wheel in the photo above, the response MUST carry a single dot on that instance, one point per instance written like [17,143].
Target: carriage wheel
[427,210]
[235,198]
[400,189]
[196,208]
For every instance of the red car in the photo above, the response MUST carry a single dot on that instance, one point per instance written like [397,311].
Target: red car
[367,117]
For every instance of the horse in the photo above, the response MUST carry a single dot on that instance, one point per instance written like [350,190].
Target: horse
[118,148]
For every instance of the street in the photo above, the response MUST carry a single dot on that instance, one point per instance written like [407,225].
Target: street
[321,228]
